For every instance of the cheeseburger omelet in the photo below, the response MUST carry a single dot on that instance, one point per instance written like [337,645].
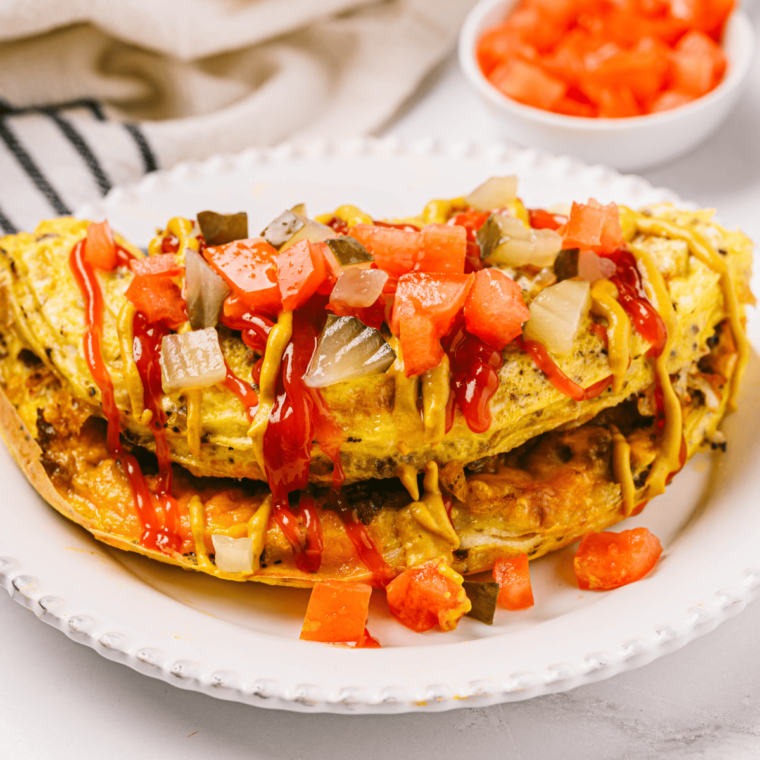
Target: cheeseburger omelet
[340,399]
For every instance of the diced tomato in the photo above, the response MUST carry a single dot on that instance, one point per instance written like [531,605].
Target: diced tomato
[471,220]
[613,102]
[697,64]
[513,577]
[395,251]
[332,268]
[300,271]
[158,264]
[158,297]
[495,309]
[543,220]
[426,595]
[528,84]
[609,560]
[337,612]
[100,250]
[443,249]
[368,641]
[249,269]
[423,312]
[671,99]
[372,316]
[495,46]
[593,227]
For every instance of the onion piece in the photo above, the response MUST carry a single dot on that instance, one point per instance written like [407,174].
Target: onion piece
[495,192]
[592,267]
[359,288]
[350,252]
[233,555]
[205,291]
[506,241]
[191,360]
[347,349]
[556,314]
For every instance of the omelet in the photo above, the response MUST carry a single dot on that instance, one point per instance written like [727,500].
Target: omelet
[548,469]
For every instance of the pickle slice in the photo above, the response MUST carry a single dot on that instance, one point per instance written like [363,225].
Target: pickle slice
[350,252]
[483,595]
[218,229]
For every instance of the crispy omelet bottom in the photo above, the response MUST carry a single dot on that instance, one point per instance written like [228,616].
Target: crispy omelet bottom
[534,499]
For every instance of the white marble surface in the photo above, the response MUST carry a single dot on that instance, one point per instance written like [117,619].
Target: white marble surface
[62,700]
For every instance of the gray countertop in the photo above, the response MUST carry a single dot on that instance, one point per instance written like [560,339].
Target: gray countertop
[61,700]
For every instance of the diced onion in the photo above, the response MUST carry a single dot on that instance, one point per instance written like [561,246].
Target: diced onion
[233,555]
[191,360]
[205,292]
[359,288]
[347,350]
[506,241]
[556,314]
[592,267]
[495,192]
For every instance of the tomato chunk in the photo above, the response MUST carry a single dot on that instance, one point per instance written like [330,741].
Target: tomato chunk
[593,227]
[158,264]
[513,577]
[300,271]
[100,250]
[443,249]
[395,251]
[249,269]
[697,65]
[426,595]
[158,297]
[423,312]
[609,560]
[337,613]
[543,220]
[528,84]
[495,309]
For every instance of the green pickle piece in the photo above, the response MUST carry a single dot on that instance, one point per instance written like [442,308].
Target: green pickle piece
[218,229]
[483,595]
[349,252]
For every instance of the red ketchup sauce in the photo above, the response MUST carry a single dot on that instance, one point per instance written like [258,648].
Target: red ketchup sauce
[474,377]
[632,297]
[157,525]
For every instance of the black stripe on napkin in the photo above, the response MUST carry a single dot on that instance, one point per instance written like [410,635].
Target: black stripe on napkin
[81,147]
[8,227]
[30,167]
[149,159]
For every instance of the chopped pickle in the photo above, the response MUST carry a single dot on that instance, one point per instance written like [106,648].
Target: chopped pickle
[281,229]
[350,252]
[218,229]
[566,264]
[483,596]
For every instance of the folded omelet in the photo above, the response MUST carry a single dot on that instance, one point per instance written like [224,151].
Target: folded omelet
[547,470]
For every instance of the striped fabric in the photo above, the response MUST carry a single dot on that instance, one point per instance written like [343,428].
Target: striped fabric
[54,158]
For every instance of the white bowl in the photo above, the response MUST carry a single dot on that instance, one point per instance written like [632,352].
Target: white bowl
[627,144]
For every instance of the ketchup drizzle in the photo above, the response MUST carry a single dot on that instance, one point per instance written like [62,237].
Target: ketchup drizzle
[248,397]
[155,534]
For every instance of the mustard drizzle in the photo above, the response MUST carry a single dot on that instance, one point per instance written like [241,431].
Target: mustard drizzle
[621,469]
[701,249]
[257,530]
[604,303]
[436,387]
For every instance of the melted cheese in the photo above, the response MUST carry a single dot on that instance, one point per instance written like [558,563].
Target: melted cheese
[621,469]
[604,304]
[424,527]
[668,455]
[257,530]
[182,229]
[439,211]
[701,249]
[436,387]
[279,337]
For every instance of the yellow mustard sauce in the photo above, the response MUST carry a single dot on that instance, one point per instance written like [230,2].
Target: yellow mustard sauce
[351,215]
[604,303]
[257,530]
[406,416]
[436,387]
[621,469]
[135,390]
[279,337]
[198,529]
[408,477]
[424,526]
[194,402]
[701,249]
[668,455]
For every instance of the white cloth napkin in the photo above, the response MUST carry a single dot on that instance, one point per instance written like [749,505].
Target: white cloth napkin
[94,93]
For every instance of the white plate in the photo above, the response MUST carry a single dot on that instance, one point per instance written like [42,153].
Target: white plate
[240,641]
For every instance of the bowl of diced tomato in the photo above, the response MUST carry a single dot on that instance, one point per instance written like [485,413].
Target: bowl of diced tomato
[629,83]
